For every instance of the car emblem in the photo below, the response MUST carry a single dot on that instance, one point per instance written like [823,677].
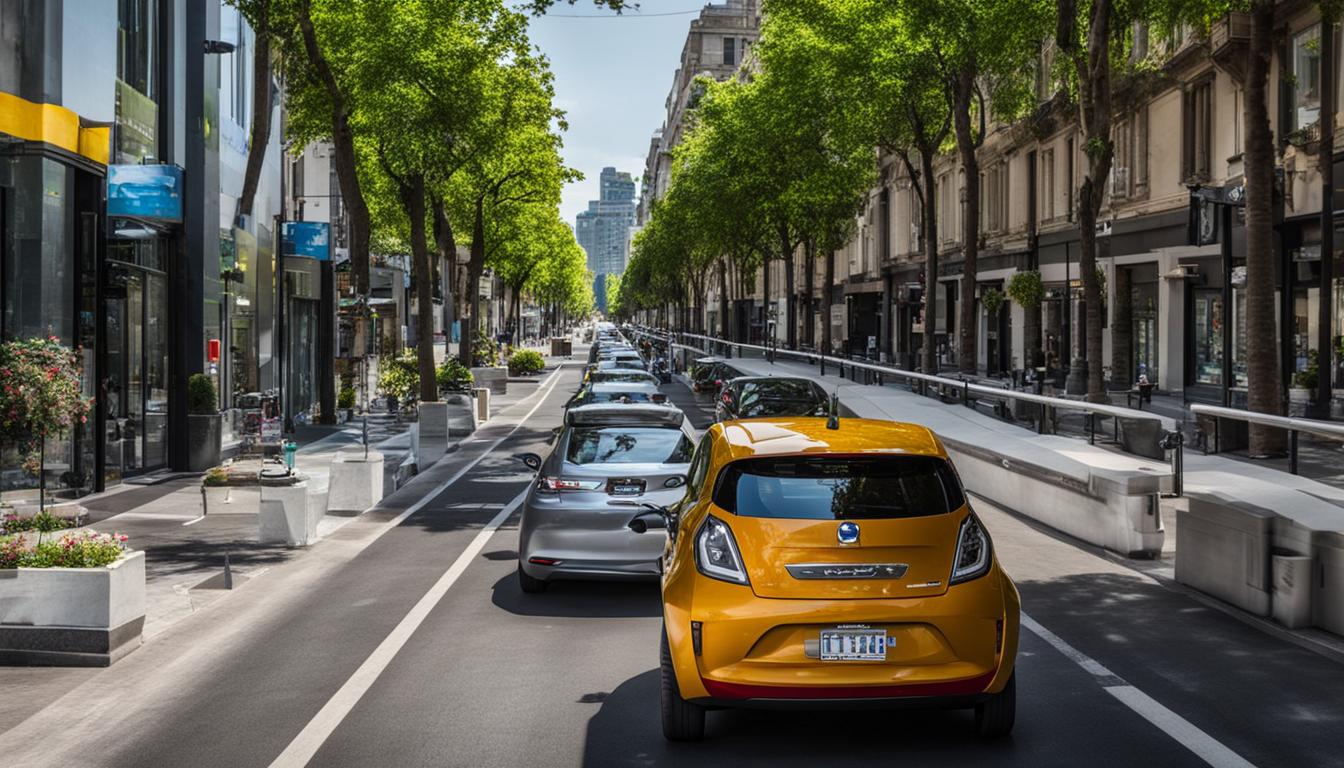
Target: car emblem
[847,533]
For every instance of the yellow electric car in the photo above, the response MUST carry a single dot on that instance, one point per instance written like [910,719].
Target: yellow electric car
[818,562]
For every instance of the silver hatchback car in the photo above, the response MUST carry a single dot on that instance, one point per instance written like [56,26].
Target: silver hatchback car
[575,519]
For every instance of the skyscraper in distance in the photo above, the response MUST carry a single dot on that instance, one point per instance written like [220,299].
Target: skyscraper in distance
[601,229]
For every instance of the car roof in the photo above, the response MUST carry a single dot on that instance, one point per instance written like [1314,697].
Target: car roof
[809,435]
[623,386]
[624,415]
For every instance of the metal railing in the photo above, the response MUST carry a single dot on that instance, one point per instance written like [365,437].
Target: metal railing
[1293,425]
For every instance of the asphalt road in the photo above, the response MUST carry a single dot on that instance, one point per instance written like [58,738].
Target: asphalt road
[357,654]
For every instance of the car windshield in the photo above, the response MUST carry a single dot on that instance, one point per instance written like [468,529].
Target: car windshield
[815,488]
[628,445]
[624,397]
[780,398]
[622,377]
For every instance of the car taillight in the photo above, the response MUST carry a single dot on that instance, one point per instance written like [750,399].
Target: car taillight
[972,559]
[561,484]
[716,554]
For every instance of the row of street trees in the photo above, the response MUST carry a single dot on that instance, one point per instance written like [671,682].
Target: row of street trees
[778,159]
[442,119]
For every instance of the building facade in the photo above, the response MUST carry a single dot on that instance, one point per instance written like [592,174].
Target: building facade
[1173,274]
[603,229]
[123,136]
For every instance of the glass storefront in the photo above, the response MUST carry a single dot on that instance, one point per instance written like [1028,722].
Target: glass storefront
[48,247]
[135,381]
[1145,330]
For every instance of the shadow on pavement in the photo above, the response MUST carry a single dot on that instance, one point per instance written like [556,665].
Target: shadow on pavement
[581,599]
[626,731]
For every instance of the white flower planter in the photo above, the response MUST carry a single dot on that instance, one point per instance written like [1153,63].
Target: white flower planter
[72,616]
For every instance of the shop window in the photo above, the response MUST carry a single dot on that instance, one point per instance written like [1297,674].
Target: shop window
[1208,338]
[729,51]
[137,59]
[38,275]
[1305,81]
[1197,131]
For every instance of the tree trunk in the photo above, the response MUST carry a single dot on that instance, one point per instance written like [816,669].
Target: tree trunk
[261,116]
[826,341]
[929,363]
[413,200]
[343,141]
[809,268]
[765,300]
[1094,108]
[790,310]
[1264,389]
[963,90]
[446,245]
[723,299]
[475,267]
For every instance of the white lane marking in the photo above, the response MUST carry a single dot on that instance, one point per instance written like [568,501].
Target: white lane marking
[1209,749]
[1187,734]
[194,520]
[325,722]
[441,487]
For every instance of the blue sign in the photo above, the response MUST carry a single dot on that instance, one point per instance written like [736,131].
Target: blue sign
[310,239]
[145,192]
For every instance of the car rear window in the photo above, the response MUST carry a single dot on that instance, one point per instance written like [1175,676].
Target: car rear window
[625,397]
[839,488]
[628,445]
[780,398]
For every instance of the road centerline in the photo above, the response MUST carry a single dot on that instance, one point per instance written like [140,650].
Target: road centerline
[324,723]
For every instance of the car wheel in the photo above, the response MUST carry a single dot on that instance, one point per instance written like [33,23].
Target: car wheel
[530,584]
[682,720]
[994,718]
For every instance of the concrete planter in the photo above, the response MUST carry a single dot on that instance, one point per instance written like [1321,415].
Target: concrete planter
[431,437]
[289,513]
[72,616]
[203,441]
[482,411]
[356,481]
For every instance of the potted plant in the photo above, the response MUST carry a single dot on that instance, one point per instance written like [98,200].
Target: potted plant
[453,377]
[399,380]
[204,423]
[41,396]
[81,579]
[525,362]
[1304,385]
[346,400]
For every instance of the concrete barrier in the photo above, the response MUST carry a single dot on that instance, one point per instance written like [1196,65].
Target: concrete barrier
[288,516]
[1223,550]
[431,434]
[356,481]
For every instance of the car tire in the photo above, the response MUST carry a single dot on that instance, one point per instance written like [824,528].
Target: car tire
[995,716]
[530,584]
[682,720]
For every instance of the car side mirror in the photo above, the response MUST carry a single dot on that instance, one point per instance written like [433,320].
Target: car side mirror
[554,434]
[531,460]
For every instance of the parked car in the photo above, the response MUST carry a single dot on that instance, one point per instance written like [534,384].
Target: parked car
[605,453]
[621,392]
[831,564]
[711,377]
[752,397]
[622,375]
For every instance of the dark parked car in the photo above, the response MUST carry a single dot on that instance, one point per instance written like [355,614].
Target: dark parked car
[750,397]
[711,377]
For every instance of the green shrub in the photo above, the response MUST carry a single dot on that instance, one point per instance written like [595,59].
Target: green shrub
[77,549]
[484,351]
[400,377]
[43,522]
[453,376]
[526,361]
[346,398]
[201,395]
[215,477]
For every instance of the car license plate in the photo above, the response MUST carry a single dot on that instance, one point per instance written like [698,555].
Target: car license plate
[853,645]
[627,487]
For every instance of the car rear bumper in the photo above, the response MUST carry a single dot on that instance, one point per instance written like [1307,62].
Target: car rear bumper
[595,548]
[957,647]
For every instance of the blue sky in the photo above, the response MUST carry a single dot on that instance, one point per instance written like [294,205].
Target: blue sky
[612,75]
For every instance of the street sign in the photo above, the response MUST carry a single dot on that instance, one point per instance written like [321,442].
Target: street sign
[145,192]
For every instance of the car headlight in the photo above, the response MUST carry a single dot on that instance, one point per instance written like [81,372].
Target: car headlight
[972,558]
[716,554]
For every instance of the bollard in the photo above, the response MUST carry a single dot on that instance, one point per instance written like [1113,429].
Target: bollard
[1175,442]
